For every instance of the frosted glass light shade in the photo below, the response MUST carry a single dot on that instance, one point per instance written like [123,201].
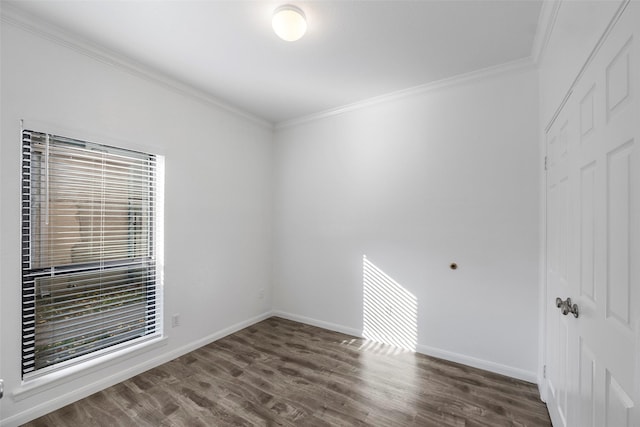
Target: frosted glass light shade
[289,23]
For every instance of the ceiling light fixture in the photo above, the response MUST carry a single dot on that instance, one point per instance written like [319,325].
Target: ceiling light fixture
[289,22]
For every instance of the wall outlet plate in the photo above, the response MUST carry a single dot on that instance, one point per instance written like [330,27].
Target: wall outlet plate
[175,320]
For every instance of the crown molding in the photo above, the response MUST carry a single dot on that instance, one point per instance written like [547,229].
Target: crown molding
[512,66]
[546,23]
[12,15]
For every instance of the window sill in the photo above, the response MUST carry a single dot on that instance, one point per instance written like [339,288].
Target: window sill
[37,385]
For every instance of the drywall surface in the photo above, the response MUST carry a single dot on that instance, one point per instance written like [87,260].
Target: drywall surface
[217,226]
[415,184]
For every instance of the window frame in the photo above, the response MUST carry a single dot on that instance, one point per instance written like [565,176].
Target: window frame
[153,261]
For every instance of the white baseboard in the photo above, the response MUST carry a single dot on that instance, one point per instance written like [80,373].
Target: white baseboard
[319,323]
[65,399]
[542,388]
[486,365]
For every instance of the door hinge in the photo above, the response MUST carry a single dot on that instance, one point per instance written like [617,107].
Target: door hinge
[544,371]
[545,162]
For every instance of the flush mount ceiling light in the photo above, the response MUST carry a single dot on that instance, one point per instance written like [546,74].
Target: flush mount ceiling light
[289,22]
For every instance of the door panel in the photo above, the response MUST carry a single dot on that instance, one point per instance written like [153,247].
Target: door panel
[619,404]
[587,232]
[586,386]
[619,79]
[619,196]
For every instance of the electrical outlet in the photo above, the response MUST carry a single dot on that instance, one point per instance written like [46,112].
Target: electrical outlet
[175,320]
[261,294]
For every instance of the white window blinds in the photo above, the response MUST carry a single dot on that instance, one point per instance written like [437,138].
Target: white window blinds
[88,259]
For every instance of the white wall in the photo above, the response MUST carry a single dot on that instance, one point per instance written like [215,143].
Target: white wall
[218,200]
[448,175]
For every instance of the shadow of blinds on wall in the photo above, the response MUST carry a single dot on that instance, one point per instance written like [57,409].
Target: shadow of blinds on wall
[390,311]
[88,260]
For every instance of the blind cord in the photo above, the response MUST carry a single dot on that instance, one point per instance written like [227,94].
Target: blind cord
[46,181]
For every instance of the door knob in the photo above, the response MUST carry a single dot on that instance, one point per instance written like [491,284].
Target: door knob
[567,307]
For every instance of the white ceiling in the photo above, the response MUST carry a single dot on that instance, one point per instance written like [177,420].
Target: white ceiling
[353,50]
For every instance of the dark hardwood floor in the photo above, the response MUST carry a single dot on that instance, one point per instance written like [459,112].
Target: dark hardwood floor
[280,372]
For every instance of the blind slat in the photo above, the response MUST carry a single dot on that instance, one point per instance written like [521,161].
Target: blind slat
[64,354]
[109,322]
[62,304]
[88,227]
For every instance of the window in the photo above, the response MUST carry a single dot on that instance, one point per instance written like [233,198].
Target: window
[89,281]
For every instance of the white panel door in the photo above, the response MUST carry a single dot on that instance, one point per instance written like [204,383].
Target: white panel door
[593,232]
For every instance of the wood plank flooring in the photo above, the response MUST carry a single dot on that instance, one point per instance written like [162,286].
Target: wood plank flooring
[280,372]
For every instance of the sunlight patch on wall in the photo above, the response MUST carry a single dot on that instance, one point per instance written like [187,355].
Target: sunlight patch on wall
[390,312]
